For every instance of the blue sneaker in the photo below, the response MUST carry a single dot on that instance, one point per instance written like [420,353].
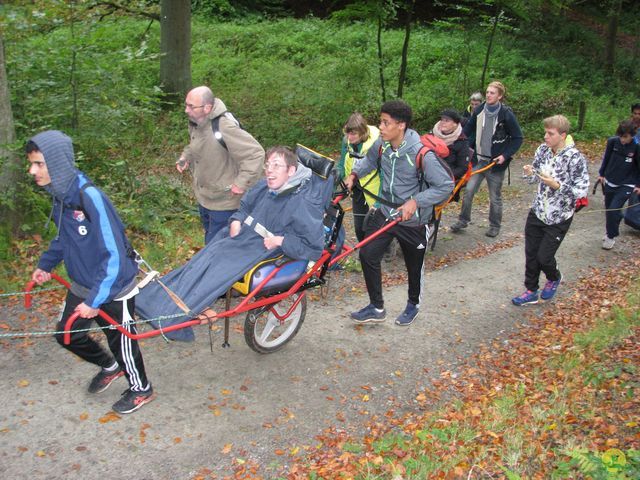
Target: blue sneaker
[550,289]
[407,317]
[527,298]
[369,314]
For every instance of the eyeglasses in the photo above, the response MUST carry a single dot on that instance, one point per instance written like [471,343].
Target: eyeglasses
[193,107]
[274,166]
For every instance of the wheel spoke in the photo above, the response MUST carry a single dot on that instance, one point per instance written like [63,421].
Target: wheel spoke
[271,324]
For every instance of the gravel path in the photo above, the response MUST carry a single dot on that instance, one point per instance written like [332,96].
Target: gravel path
[215,408]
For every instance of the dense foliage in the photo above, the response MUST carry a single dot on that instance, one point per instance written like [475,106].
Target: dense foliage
[289,81]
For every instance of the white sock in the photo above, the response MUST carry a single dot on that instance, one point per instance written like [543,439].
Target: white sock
[112,368]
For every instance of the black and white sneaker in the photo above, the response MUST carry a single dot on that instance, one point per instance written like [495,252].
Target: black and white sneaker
[132,401]
[103,379]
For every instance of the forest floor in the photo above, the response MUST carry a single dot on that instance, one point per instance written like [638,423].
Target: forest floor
[236,413]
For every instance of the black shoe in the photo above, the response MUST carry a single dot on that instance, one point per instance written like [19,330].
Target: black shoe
[492,232]
[103,379]
[132,401]
[458,226]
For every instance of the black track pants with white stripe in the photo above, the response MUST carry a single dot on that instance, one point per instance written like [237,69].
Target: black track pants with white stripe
[125,350]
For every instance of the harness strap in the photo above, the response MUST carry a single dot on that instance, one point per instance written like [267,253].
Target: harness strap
[376,197]
[258,228]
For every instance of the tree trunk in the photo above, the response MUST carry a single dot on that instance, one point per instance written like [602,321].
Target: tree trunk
[405,47]
[494,28]
[612,33]
[380,62]
[636,50]
[175,48]
[73,74]
[11,168]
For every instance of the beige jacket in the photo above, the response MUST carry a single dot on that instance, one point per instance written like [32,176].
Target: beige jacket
[215,168]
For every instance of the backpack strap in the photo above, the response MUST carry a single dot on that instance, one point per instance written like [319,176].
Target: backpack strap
[419,162]
[215,126]
[371,194]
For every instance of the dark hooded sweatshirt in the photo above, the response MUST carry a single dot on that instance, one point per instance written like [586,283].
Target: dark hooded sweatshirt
[91,239]
[295,211]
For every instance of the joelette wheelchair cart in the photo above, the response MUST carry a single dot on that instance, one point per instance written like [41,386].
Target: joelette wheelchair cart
[272,294]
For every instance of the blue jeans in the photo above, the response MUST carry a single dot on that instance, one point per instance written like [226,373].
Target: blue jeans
[213,221]
[615,198]
[494,184]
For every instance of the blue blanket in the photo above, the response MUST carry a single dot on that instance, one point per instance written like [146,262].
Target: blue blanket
[295,214]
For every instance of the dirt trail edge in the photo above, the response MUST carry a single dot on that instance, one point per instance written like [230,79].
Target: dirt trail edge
[234,403]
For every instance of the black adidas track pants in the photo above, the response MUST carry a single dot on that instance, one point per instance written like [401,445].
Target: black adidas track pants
[125,350]
[413,242]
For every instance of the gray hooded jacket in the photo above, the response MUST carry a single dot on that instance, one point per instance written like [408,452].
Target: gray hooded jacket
[399,176]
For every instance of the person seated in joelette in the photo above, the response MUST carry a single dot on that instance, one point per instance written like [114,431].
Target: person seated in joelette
[281,214]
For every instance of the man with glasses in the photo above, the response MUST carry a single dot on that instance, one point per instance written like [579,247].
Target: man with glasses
[281,214]
[223,168]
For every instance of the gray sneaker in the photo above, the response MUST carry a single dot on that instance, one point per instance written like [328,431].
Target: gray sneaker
[407,317]
[492,232]
[132,401]
[459,225]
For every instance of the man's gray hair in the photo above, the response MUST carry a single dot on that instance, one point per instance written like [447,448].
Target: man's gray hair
[205,94]
[477,96]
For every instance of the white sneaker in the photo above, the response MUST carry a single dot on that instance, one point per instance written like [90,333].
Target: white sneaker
[608,243]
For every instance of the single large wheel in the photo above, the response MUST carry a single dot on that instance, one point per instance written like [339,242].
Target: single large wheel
[269,330]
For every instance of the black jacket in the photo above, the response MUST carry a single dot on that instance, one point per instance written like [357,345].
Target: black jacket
[458,159]
[621,163]
[507,136]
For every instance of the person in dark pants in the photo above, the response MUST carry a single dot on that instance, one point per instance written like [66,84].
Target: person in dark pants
[99,260]
[561,173]
[495,136]
[394,154]
[620,176]
[475,99]
[358,138]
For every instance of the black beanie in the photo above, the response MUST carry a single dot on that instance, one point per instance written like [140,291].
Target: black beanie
[452,114]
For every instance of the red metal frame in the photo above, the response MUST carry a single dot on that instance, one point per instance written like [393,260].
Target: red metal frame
[31,284]
[242,307]
[282,318]
[349,250]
